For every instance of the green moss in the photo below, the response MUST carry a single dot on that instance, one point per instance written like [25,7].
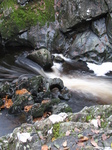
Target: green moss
[56,128]
[55,101]
[20,18]
[89,117]
[104,124]
[66,109]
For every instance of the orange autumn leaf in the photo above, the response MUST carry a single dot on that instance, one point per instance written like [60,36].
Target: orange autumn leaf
[27,108]
[53,139]
[21,92]
[44,147]
[8,103]
[43,117]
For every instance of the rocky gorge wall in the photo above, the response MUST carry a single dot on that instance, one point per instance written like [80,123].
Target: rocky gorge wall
[80,29]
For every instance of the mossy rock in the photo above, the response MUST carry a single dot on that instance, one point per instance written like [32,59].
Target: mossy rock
[16,18]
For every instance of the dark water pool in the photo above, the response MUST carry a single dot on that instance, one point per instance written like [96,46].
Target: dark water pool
[9,122]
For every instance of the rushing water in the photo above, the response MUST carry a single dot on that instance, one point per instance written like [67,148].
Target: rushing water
[87,87]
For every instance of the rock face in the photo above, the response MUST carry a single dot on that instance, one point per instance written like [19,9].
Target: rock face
[74,12]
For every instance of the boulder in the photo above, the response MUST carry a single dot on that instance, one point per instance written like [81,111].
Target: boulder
[56,82]
[73,12]
[42,57]
[88,47]
[20,101]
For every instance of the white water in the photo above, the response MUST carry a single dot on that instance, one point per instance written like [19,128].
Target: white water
[97,86]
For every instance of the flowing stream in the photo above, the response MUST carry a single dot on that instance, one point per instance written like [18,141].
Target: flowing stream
[87,87]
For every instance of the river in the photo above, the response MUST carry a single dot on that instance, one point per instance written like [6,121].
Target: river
[87,87]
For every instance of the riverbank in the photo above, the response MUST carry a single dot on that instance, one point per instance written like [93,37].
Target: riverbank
[88,129]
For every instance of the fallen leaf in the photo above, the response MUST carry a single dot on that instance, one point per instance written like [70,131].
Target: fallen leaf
[76,130]
[8,103]
[83,139]
[27,108]
[44,147]
[104,137]
[53,139]
[80,136]
[45,101]
[80,144]
[94,143]
[65,144]
[21,92]
[95,131]
[68,133]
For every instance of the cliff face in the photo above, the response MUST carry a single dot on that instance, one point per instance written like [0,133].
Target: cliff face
[80,29]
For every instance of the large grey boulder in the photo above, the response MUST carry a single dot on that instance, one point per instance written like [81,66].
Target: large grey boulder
[88,47]
[73,12]
[42,57]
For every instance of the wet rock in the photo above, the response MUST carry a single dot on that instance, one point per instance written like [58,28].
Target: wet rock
[109,27]
[56,82]
[109,4]
[19,102]
[88,47]
[99,27]
[58,59]
[65,94]
[72,13]
[42,57]
[59,43]
[46,106]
